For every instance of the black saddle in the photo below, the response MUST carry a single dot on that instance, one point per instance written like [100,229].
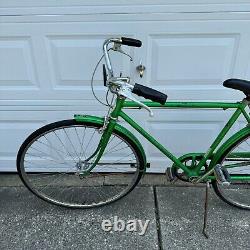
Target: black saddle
[238,84]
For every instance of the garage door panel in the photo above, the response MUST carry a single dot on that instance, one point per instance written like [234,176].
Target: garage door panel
[12,134]
[192,59]
[73,59]
[193,66]
[56,66]
[17,63]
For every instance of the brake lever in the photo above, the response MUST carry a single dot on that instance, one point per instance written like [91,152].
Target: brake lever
[126,92]
[117,48]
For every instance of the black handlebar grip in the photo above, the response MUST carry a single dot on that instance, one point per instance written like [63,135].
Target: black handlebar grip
[149,93]
[131,42]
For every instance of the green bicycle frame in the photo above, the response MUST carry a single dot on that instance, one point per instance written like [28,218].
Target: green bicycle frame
[240,109]
[191,172]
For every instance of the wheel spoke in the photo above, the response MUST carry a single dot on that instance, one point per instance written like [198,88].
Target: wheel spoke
[71,144]
[52,166]
[82,152]
[64,146]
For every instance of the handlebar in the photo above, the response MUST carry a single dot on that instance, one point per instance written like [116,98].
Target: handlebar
[122,86]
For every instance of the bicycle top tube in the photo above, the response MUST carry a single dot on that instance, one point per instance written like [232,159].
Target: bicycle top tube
[188,104]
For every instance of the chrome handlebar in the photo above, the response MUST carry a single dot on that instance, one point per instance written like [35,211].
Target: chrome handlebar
[106,54]
[119,85]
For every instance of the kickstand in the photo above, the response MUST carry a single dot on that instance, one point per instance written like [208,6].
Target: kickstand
[204,231]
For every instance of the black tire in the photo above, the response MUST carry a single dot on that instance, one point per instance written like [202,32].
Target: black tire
[237,193]
[41,150]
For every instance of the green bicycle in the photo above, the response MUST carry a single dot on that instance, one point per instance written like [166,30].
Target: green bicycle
[91,161]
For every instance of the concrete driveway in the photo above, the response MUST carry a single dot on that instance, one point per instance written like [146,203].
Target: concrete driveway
[175,214]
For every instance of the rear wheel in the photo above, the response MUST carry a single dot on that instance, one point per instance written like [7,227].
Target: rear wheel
[53,163]
[237,162]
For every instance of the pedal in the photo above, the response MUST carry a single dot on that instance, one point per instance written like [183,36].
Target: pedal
[222,175]
[170,175]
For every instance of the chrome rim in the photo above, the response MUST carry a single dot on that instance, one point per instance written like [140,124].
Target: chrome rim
[54,164]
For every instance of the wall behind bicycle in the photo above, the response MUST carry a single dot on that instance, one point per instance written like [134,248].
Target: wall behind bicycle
[48,50]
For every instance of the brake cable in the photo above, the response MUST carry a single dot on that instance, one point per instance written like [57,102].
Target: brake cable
[92,83]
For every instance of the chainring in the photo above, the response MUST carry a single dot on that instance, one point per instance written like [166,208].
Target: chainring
[190,162]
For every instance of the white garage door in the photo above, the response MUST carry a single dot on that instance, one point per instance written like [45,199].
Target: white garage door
[48,51]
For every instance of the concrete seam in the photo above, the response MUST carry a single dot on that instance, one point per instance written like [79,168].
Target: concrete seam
[157,217]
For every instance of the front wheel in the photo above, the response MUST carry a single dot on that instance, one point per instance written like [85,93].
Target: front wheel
[53,163]
[237,162]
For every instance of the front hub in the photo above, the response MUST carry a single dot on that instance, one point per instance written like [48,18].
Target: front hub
[83,168]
